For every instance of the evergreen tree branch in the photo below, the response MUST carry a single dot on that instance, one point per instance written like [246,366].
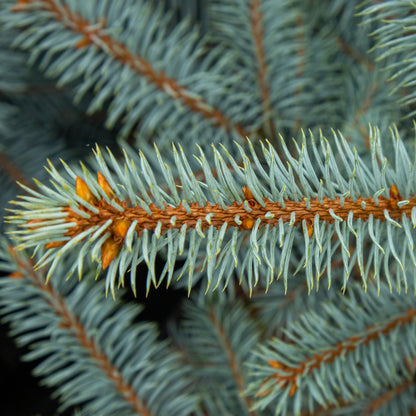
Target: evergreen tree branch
[128,217]
[292,374]
[48,128]
[85,40]
[226,335]
[390,395]
[398,398]
[357,329]
[395,42]
[265,50]
[232,360]
[339,210]
[69,322]
[258,34]
[82,339]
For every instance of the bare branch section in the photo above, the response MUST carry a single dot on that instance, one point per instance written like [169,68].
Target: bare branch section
[93,33]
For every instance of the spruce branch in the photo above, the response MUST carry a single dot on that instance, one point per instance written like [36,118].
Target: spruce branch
[217,335]
[88,39]
[48,128]
[395,37]
[346,351]
[238,219]
[266,39]
[387,402]
[258,34]
[333,209]
[395,399]
[92,351]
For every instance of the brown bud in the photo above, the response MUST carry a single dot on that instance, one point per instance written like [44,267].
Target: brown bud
[83,191]
[275,364]
[109,251]
[247,193]
[248,223]
[16,275]
[54,244]
[121,227]
[293,390]
[309,226]
[394,193]
[104,185]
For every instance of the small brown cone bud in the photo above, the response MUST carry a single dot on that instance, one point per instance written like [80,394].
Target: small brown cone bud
[83,191]
[275,364]
[394,193]
[248,223]
[293,390]
[104,185]
[83,42]
[247,193]
[309,227]
[121,227]
[54,244]
[16,275]
[109,251]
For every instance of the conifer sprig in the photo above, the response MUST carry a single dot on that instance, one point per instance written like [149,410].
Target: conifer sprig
[159,83]
[395,38]
[246,218]
[356,357]
[85,339]
[250,29]
[217,335]
[389,401]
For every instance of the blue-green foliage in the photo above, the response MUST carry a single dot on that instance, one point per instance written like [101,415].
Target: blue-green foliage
[145,109]
[34,111]
[322,69]
[132,351]
[231,23]
[261,254]
[371,366]
[396,43]
[295,93]
[217,336]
